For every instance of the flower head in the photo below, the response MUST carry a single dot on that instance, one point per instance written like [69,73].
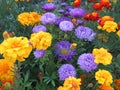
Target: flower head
[77,3]
[77,12]
[39,53]
[71,83]
[102,56]
[97,6]
[6,71]
[41,40]
[65,71]
[39,28]
[104,19]
[110,26]
[49,7]
[15,48]
[29,18]
[86,62]
[64,51]
[66,26]
[103,77]
[117,84]
[48,18]
[60,19]
[104,87]
[85,33]
[94,16]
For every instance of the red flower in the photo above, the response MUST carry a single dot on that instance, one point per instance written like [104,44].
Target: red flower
[87,16]
[118,25]
[97,6]
[94,16]
[77,3]
[105,3]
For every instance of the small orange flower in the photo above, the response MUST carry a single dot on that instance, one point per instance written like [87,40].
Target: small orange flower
[77,3]
[97,6]
[117,84]
[104,87]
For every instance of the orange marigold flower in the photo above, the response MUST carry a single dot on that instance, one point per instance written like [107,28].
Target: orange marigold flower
[71,83]
[104,87]
[27,18]
[6,71]
[97,6]
[117,84]
[104,19]
[77,3]
[104,77]
[50,0]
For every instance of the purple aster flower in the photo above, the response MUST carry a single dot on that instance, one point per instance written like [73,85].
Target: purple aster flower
[49,7]
[68,8]
[66,26]
[65,71]
[77,12]
[85,33]
[61,11]
[63,4]
[48,18]
[86,62]
[63,50]
[59,20]
[39,28]
[39,53]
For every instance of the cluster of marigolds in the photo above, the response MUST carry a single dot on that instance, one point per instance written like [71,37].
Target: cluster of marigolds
[18,48]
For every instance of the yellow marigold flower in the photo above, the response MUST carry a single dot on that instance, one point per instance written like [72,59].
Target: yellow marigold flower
[6,71]
[110,26]
[15,48]
[41,40]
[117,84]
[102,56]
[104,87]
[118,33]
[103,77]
[71,83]
[27,18]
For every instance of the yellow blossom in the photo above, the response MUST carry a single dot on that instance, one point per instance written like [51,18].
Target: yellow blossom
[110,26]
[103,77]
[27,18]
[71,83]
[41,40]
[102,56]
[15,48]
